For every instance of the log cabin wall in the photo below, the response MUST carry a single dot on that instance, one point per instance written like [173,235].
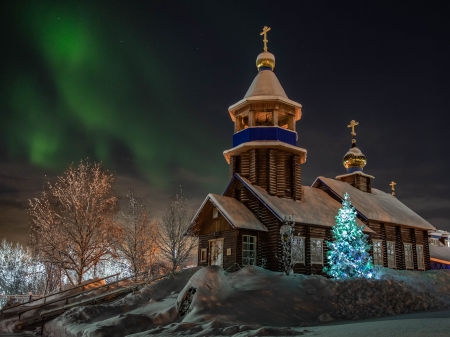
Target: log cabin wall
[239,239]
[399,250]
[211,224]
[421,237]
[216,228]
[302,231]
[269,242]
[229,242]
[383,236]
[308,232]
[278,172]
[232,167]
[262,164]
[253,174]
[401,235]
[272,169]
[349,180]
[360,182]
[271,245]
[324,234]
[308,250]
[374,236]
[376,227]
[412,234]
[297,178]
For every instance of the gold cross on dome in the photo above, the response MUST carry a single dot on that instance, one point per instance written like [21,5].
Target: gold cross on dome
[392,184]
[264,32]
[352,125]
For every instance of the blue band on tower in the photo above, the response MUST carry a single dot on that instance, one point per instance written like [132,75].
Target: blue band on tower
[354,169]
[264,68]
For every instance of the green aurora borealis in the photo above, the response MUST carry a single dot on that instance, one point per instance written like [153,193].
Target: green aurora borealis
[101,91]
[144,86]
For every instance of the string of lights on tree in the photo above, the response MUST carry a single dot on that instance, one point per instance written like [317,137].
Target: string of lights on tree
[348,255]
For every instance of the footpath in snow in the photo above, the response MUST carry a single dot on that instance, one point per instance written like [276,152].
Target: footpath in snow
[257,302]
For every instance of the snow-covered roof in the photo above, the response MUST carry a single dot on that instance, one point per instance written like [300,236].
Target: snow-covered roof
[233,211]
[265,86]
[354,151]
[439,233]
[378,205]
[272,144]
[355,173]
[316,208]
[441,253]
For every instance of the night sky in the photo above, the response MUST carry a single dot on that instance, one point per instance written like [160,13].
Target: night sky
[144,87]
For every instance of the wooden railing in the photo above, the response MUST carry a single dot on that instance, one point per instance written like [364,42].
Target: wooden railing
[66,298]
[59,292]
[21,298]
[47,315]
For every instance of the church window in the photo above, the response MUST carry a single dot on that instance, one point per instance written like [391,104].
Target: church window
[215,213]
[434,241]
[420,261]
[408,256]
[298,249]
[316,251]
[377,252]
[248,250]
[391,254]
[203,255]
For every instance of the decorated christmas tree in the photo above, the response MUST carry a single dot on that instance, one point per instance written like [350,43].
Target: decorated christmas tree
[348,255]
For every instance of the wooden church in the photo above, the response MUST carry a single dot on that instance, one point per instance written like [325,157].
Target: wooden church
[242,226]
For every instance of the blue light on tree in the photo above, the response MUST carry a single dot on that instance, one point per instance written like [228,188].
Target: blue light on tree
[348,255]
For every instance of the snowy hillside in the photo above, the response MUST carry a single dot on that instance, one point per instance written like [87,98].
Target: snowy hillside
[255,302]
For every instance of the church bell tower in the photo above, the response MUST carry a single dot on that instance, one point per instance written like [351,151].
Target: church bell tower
[265,139]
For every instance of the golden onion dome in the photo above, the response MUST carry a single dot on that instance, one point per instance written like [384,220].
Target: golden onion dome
[265,60]
[354,159]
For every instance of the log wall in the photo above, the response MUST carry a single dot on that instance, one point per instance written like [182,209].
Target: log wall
[401,235]
[278,172]
[359,182]
[230,241]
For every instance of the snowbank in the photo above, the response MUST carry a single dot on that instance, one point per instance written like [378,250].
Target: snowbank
[254,302]
[10,318]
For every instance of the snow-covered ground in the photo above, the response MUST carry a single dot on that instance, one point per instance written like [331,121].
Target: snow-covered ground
[257,302]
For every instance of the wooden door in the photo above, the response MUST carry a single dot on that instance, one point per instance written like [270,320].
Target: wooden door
[216,252]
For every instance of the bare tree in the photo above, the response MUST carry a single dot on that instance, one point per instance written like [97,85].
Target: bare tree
[71,223]
[175,241]
[136,235]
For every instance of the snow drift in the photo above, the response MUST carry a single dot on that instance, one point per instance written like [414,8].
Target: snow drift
[253,302]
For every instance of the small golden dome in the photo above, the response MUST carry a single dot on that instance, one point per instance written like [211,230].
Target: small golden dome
[266,60]
[354,159]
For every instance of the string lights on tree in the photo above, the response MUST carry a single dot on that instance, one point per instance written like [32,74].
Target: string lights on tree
[348,255]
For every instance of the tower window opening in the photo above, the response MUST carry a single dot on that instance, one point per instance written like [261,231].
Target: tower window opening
[241,123]
[285,121]
[264,118]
